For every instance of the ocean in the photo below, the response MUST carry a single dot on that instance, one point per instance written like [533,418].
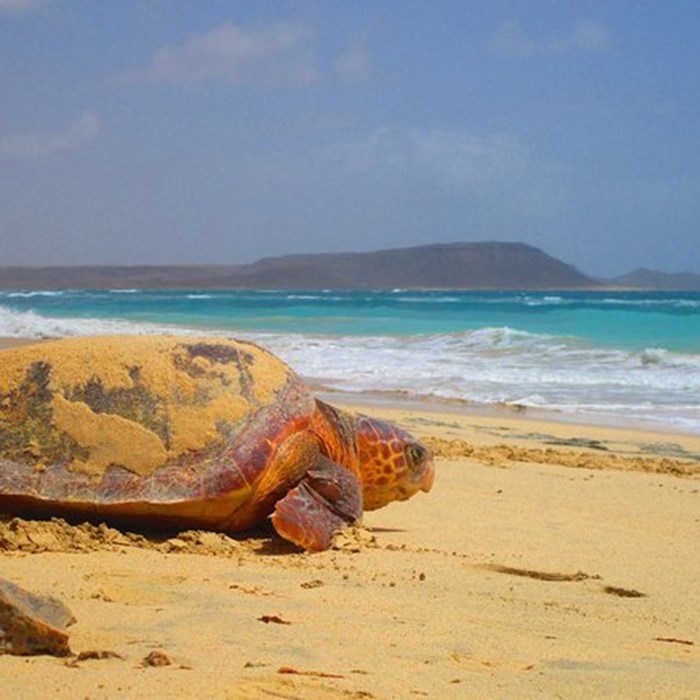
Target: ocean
[626,358]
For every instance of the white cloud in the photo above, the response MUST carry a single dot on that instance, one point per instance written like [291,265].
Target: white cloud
[20,6]
[451,155]
[495,170]
[79,132]
[353,66]
[586,35]
[279,56]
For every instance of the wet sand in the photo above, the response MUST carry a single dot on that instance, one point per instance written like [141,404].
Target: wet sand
[550,560]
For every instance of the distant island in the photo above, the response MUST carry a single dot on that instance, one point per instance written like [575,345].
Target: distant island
[486,265]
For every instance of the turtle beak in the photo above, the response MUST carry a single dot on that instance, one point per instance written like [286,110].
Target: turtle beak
[426,483]
[423,469]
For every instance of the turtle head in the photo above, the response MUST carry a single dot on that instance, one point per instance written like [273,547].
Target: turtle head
[393,465]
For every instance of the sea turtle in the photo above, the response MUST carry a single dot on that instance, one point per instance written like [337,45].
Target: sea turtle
[190,432]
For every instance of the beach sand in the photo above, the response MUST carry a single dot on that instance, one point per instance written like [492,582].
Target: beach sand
[550,560]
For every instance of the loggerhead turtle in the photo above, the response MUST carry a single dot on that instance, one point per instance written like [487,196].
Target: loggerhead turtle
[167,432]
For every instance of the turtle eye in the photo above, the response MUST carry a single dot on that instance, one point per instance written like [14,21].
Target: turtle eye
[415,454]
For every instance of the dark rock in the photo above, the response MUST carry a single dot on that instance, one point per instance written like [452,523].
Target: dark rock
[32,624]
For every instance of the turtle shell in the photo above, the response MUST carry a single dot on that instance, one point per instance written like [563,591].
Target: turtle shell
[152,426]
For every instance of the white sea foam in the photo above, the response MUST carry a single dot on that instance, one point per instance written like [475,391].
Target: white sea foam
[28,324]
[544,301]
[503,366]
[29,295]
[428,300]
[654,302]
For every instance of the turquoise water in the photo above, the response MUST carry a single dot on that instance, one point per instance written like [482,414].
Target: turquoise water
[631,355]
[627,320]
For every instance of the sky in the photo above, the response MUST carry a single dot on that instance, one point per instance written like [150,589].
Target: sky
[175,131]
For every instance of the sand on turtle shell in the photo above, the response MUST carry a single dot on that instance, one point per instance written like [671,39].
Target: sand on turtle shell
[154,398]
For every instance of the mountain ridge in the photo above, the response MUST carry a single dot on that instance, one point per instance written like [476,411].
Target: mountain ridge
[485,265]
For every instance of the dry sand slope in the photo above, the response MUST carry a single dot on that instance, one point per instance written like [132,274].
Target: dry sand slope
[552,560]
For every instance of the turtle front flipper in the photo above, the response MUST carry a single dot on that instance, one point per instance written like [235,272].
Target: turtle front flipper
[328,498]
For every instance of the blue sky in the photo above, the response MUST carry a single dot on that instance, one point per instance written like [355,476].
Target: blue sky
[175,131]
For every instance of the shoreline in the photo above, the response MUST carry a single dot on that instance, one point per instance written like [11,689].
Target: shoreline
[501,411]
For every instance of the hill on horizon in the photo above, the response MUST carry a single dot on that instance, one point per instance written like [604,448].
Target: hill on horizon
[643,278]
[487,265]
[484,265]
